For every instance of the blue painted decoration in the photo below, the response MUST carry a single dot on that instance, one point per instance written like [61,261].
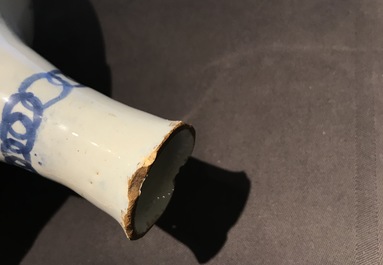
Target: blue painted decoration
[15,146]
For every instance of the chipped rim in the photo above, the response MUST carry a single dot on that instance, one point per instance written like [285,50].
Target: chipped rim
[136,181]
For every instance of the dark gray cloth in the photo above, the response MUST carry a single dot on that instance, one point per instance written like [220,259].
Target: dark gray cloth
[287,101]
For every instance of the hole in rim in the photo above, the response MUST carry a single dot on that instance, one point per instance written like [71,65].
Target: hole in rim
[158,186]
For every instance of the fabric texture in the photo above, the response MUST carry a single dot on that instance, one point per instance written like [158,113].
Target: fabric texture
[286,99]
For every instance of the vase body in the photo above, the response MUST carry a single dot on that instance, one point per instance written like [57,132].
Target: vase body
[120,159]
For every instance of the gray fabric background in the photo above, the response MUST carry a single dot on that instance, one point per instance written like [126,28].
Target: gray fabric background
[286,98]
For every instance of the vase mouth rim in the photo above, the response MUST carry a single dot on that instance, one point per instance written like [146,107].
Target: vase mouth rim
[147,174]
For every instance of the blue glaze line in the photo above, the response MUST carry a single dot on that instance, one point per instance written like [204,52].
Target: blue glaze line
[16,147]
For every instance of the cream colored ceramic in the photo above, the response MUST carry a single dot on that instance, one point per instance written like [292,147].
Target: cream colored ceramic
[121,159]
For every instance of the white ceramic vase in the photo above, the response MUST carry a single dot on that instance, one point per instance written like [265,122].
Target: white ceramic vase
[121,159]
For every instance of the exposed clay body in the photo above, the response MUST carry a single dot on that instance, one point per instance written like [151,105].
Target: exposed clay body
[137,180]
[134,191]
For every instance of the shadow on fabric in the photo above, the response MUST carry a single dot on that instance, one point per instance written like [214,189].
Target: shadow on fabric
[76,47]
[27,202]
[68,34]
[206,203]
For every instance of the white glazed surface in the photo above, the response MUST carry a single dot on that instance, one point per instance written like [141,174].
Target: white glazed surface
[82,139]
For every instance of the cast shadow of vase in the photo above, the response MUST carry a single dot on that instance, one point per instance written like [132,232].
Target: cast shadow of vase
[76,47]
[68,34]
[206,203]
[27,202]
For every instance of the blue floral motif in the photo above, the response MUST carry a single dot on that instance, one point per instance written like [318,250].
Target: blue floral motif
[15,146]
